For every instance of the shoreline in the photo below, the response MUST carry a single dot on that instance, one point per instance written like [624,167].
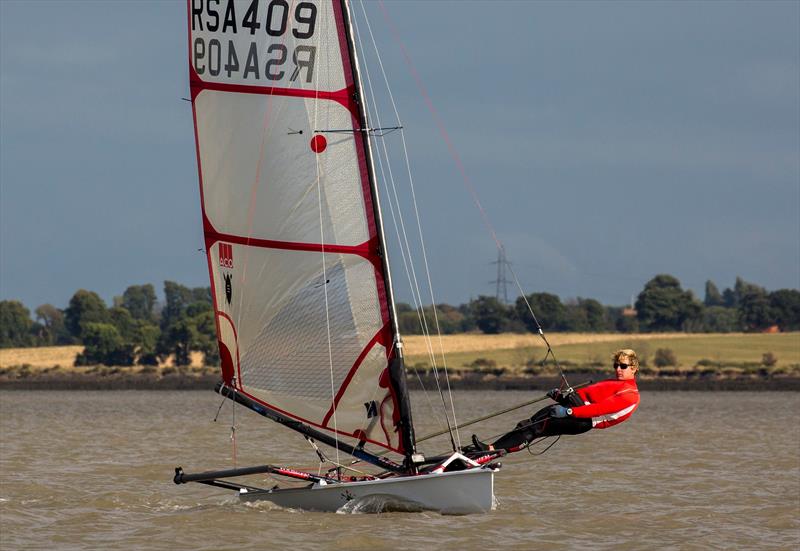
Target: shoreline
[117,380]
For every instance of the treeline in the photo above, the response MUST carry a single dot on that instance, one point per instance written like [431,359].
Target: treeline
[663,305]
[137,329]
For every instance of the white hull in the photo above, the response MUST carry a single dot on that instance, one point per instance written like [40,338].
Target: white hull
[459,492]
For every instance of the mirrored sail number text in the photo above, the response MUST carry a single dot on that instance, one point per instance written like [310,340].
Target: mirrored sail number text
[233,56]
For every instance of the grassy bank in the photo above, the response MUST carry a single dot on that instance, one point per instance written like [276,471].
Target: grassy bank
[518,353]
[704,361]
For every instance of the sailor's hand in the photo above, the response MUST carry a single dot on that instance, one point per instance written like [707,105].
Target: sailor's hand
[554,394]
[559,411]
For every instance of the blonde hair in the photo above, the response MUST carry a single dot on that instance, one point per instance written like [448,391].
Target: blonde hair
[629,356]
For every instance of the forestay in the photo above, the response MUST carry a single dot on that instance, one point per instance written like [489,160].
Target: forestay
[291,224]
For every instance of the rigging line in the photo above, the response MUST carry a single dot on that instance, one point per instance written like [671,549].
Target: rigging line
[417,295]
[457,159]
[553,443]
[322,254]
[419,223]
[224,399]
[538,325]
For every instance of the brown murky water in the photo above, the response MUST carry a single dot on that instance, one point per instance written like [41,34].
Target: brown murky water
[92,470]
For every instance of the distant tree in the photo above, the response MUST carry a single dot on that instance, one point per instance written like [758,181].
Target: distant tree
[490,315]
[742,287]
[180,331]
[729,298]
[467,320]
[755,311]
[408,322]
[206,335]
[140,301]
[713,296]
[179,340]
[719,319]
[84,307]
[103,344]
[595,314]
[178,297]
[202,294]
[627,324]
[450,320]
[548,310]
[122,319]
[575,318]
[145,342]
[15,325]
[52,320]
[785,304]
[664,306]
[585,314]
[198,307]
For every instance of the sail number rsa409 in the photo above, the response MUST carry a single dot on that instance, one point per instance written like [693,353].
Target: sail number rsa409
[220,47]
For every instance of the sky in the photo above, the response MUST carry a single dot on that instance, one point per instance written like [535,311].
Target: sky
[607,142]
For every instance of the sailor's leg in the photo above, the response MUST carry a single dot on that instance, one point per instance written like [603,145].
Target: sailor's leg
[526,431]
[555,426]
[541,424]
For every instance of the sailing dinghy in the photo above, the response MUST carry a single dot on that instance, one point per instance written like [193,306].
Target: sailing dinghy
[297,258]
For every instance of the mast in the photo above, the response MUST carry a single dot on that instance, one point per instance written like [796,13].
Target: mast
[397,365]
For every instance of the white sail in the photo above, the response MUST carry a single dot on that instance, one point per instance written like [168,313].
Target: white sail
[289,217]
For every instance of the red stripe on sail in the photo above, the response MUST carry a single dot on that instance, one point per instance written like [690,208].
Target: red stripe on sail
[377,338]
[367,250]
[343,97]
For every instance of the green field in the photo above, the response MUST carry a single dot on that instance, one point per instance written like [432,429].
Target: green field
[518,352]
[722,350]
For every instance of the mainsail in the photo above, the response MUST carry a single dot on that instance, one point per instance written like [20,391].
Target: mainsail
[291,221]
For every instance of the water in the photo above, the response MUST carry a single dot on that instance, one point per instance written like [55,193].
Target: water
[92,470]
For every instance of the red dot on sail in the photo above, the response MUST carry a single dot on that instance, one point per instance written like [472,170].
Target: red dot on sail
[318,144]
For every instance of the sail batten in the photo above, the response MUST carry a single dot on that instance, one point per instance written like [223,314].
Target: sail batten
[291,220]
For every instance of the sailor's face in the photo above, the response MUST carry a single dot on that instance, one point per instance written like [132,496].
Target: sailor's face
[623,370]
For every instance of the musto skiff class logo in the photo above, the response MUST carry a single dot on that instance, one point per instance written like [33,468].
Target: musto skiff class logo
[254,41]
[226,261]
[226,255]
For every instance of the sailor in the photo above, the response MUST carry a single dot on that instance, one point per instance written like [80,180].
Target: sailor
[599,406]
